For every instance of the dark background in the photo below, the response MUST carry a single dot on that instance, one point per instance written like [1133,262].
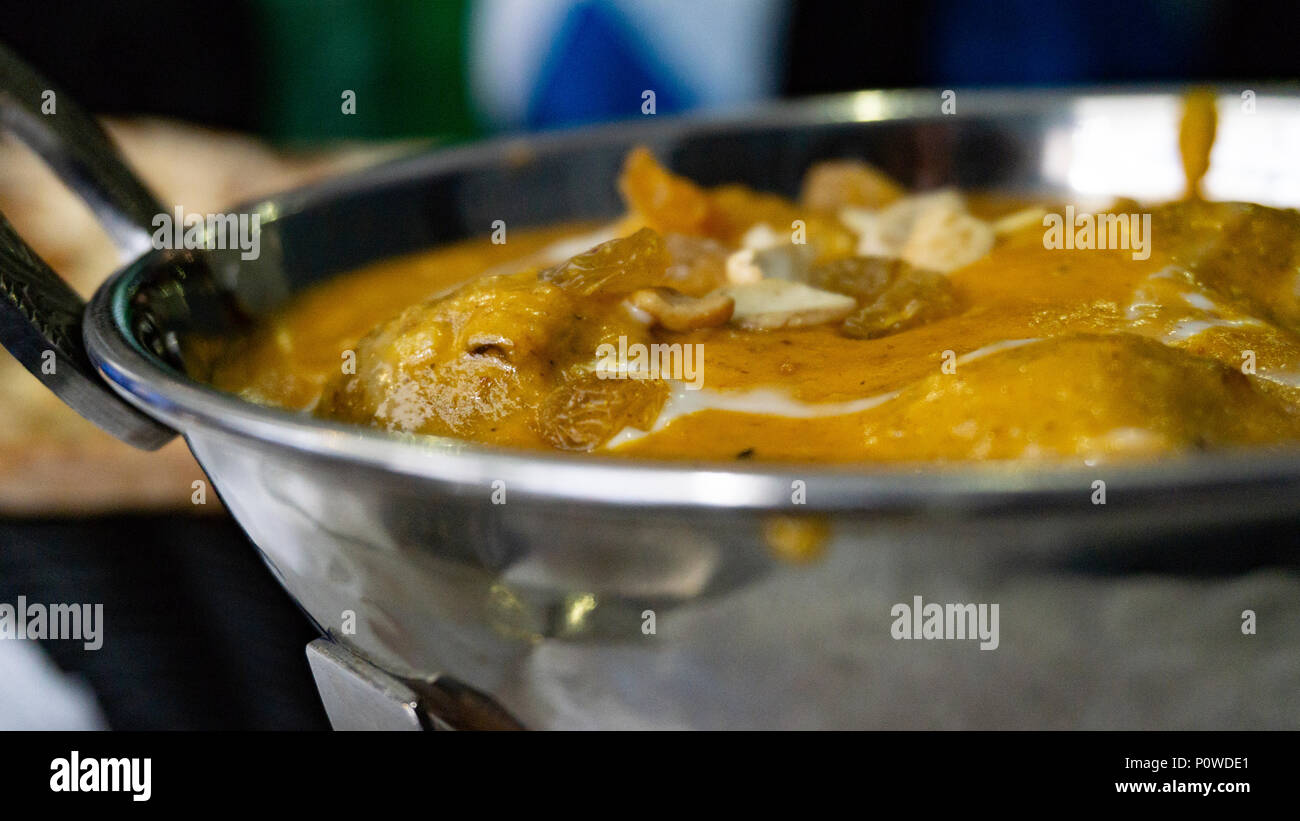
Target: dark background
[218,62]
[199,635]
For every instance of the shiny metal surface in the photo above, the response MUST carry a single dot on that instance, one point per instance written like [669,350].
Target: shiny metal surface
[627,594]
[40,325]
[358,695]
[76,149]
[40,316]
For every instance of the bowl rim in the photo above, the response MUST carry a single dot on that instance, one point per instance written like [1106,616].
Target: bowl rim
[193,407]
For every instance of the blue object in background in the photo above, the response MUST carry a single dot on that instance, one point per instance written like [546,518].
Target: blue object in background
[597,69]
[1016,42]
[546,63]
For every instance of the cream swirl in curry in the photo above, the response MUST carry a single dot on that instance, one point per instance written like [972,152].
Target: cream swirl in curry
[860,323]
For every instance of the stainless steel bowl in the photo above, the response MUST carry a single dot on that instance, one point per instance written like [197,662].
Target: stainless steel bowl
[398,552]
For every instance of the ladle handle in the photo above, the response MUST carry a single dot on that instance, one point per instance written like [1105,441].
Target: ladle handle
[40,315]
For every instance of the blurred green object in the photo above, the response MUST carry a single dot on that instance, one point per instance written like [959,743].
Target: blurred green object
[404,59]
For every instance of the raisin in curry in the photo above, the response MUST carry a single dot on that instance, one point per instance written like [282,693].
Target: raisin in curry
[859,323]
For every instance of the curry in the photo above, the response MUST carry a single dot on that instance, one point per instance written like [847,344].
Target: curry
[858,323]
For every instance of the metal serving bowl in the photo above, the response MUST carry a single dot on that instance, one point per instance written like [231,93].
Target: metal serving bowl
[546,603]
